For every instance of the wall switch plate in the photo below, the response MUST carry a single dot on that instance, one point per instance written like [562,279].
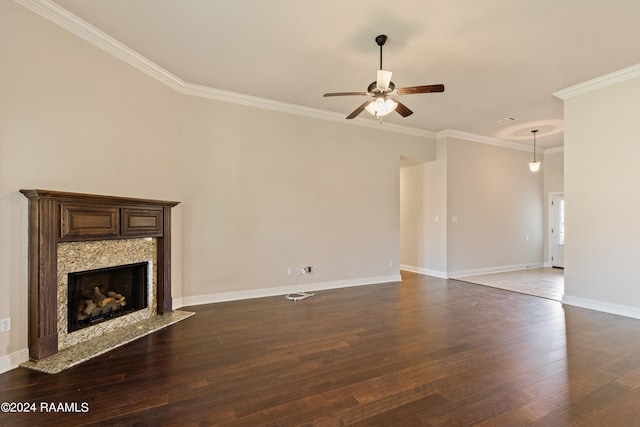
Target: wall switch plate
[5,324]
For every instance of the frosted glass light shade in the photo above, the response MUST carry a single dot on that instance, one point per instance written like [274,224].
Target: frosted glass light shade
[534,166]
[381,107]
[383,79]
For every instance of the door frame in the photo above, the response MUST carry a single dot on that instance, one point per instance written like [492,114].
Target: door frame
[551,195]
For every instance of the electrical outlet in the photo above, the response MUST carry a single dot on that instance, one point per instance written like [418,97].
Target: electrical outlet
[5,324]
[308,269]
[289,271]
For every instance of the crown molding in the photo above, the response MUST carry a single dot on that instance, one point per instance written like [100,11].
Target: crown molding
[467,136]
[554,150]
[283,107]
[599,82]
[81,28]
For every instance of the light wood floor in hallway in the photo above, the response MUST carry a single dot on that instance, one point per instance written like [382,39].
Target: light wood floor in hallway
[540,282]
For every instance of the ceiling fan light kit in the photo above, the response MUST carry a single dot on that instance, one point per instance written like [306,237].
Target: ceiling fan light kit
[382,92]
[381,106]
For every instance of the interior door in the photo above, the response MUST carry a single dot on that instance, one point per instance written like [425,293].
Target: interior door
[556,236]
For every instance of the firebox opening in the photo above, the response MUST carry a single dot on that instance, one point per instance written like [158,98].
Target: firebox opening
[99,295]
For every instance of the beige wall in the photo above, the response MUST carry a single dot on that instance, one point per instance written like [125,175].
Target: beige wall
[260,191]
[423,224]
[489,208]
[72,118]
[265,191]
[497,203]
[602,201]
[553,164]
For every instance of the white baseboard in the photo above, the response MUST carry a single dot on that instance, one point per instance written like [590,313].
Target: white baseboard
[13,360]
[420,270]
[281,290]
[490,270]
[474,272]
[607,307]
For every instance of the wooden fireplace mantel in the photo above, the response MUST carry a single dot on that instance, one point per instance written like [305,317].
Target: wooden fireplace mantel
[56,216]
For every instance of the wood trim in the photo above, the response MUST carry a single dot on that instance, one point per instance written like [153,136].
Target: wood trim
[88,222]
[56,216]
[142,221]
[43,260]
[164,300]
[63,196]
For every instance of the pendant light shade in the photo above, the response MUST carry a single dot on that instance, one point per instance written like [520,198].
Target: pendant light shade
[535,165]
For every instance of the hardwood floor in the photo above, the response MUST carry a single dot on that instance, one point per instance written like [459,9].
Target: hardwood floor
[426,351]
[541,282]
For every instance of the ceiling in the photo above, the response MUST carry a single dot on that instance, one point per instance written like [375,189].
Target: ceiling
[496,58]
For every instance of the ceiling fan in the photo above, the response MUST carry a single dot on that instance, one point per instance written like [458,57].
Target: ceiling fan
[383,90]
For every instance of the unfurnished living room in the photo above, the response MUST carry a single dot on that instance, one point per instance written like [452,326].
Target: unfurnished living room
[275,212]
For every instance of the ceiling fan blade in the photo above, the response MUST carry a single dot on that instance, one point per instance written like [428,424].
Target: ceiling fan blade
[345,93]
[402,109]
[420,89]
[358,110]
[383,79]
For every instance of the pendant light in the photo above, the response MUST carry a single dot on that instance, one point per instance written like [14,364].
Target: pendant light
[534,166]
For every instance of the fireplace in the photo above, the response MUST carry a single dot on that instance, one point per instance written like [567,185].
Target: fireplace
[102,255]
[71,233]
[96,296]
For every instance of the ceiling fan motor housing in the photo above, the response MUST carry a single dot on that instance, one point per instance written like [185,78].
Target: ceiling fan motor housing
[374,85]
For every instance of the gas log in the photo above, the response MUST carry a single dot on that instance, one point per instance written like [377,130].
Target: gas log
[96,304]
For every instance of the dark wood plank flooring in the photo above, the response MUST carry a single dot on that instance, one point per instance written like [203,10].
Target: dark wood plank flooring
[426,351]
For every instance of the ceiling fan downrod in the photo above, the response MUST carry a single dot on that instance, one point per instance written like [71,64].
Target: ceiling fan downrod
[381,40]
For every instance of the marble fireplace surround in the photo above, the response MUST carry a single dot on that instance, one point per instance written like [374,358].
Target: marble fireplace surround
[86,256]
[89,231]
